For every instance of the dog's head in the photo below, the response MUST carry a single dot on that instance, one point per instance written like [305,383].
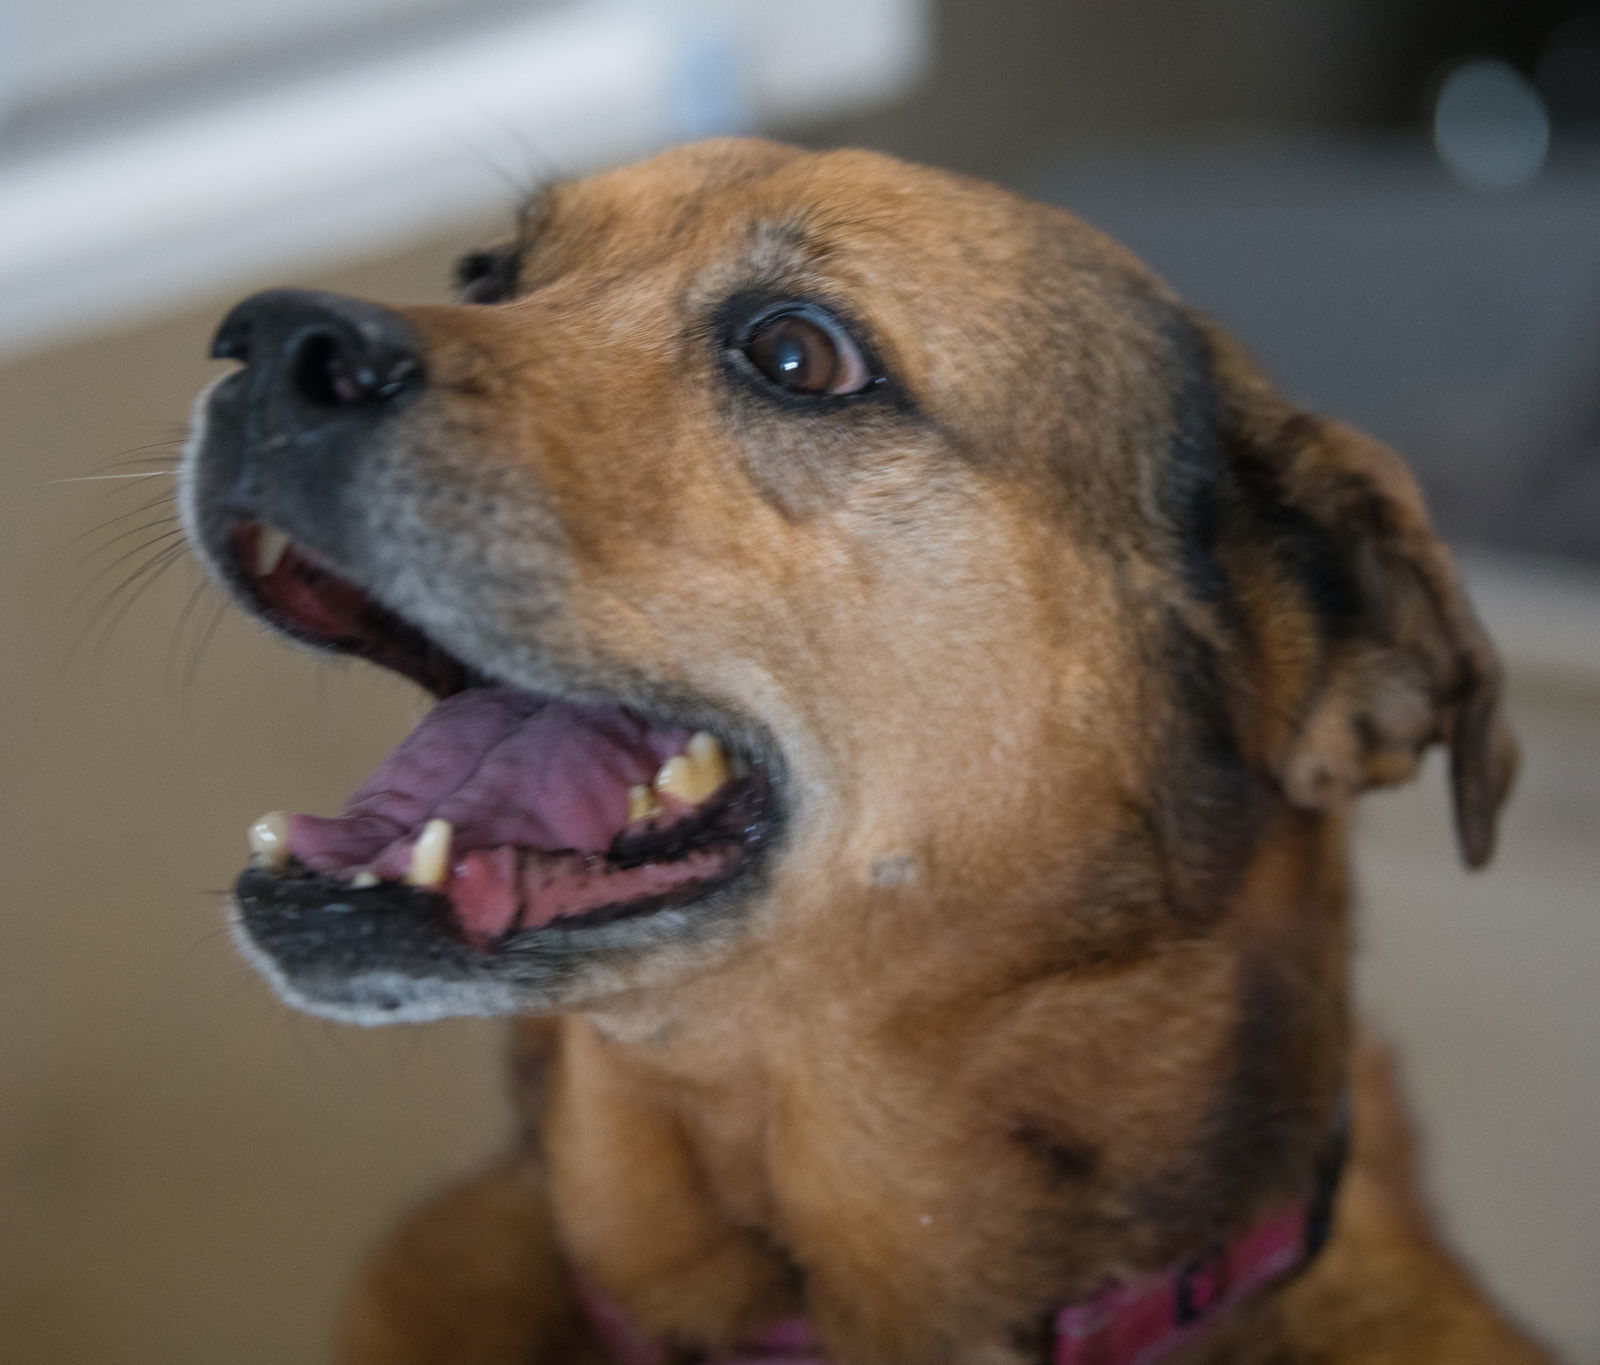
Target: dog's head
[809,549]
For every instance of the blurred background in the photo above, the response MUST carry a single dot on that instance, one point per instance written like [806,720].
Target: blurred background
[1395,202]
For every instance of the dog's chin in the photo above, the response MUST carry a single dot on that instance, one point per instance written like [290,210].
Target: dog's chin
[521,850]
[389,955]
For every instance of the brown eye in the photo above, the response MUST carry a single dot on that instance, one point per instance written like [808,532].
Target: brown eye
[808,355]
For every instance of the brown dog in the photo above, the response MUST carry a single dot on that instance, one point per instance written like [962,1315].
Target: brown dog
[907,681]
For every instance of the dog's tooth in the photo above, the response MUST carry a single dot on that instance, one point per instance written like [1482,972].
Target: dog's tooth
[430,855]
[642,804]
[269,841]
[706,749]
[271,546]
[700,770]
[364,880]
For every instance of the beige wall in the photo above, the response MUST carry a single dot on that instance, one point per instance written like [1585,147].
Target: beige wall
[187,1171]
[1015,83]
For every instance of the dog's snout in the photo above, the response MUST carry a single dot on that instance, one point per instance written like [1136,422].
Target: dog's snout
[317,354]
[323,377]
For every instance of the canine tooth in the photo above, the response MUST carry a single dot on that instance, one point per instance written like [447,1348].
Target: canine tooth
[430,855]
[271,546]
[364,879]
[269,841]
[706,749]
[700,770]
[642,804]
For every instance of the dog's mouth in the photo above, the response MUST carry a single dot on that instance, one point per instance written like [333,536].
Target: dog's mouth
[506,814]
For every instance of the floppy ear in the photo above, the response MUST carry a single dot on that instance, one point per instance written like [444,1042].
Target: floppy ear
[1399,661]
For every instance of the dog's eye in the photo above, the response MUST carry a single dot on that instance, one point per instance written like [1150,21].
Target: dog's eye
[487,276]
[808,352]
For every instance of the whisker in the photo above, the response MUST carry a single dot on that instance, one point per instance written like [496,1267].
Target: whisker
[185,615]
[169,520]
[121,559]
[109,522]
[158,557]
[211,935]
[204,643]
[151,570]
[103,621]
[528,186]
[172,461]
[95,478]
[121,457]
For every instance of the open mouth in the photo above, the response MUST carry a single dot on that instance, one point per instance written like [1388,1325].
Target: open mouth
[505,813]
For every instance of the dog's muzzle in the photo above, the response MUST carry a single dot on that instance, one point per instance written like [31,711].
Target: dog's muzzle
[527,820]
[324,378]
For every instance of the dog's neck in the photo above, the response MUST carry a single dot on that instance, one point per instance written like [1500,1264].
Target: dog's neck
[1202,1304]
[758,1138]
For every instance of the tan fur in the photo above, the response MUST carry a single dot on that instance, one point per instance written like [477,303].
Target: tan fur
[1014,1017]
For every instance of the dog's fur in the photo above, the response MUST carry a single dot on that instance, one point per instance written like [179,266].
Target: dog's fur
[1078,648]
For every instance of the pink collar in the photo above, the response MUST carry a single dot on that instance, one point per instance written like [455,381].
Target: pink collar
[1136,1322]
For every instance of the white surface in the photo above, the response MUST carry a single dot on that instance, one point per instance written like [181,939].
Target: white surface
[68,47]
[360,158]
[1487,980]
[1544,616]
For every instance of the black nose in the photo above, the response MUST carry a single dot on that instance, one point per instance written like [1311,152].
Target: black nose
[315,356]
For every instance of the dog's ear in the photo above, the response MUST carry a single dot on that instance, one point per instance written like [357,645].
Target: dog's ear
[1398,660]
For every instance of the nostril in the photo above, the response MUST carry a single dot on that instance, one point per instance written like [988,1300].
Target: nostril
[326,370]
[322,371]
[231,344]
[312,355]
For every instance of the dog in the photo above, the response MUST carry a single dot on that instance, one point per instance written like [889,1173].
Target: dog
[904,680]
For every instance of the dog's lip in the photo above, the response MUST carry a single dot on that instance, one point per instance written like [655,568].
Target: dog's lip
[257,552]
[665,703]
[752,742]
[302,592]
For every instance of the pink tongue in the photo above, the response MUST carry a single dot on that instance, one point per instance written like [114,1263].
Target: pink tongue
[505,768]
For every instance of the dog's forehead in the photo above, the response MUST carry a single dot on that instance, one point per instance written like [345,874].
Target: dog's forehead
[859,215]
[965,285]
